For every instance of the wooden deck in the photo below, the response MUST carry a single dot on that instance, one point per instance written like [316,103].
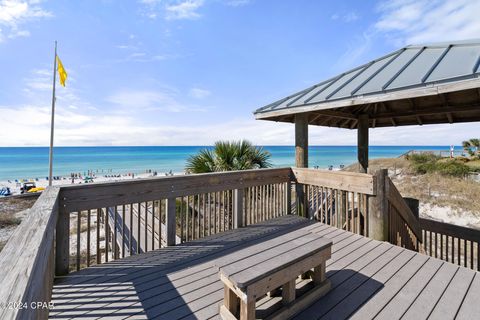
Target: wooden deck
[370,279]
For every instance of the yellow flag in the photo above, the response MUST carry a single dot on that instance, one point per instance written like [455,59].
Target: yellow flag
[61,72]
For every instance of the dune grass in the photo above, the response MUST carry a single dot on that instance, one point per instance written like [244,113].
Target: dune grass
[430,187]
[9,219]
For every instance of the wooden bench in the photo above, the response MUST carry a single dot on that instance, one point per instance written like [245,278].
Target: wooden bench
[249,279]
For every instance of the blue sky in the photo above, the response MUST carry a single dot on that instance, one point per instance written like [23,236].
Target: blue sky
[189,72]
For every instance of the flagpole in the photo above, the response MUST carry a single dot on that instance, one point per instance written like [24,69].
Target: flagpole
[53,117]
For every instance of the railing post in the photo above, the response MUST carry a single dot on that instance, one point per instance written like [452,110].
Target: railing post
[171,221]
[238,208]
[62,243]
[288,198]
[301,200]
[342,212]
[414,205]
[378,208]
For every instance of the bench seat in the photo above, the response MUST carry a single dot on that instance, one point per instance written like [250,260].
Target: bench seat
[273,265]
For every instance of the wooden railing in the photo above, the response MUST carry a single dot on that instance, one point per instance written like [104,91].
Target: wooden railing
[404,229]
[452,243]
[27,260]
[77,226]
[113,220]
[339,199]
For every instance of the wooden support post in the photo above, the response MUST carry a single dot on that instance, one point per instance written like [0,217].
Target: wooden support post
[301,140]
[62,243]
[301,158]
[238,208]
[288,198]
[170,221]
[301,200]
[362,142]
[378,208]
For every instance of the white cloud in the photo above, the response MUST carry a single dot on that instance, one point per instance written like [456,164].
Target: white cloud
[16,13]
[187,9]
[150,101]
[172,9]
[420,21]
[40,80]
[199,93]
[403,22]
[347,17]
[82,127]
[356,49]
[237,3]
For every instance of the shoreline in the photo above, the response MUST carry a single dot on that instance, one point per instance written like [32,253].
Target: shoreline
[15,185]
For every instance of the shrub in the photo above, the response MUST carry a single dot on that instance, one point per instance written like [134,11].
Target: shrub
[452,168]
[417,158]
[423,162]
[429,163]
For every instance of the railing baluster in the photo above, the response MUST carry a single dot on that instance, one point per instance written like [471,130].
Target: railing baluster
[114,243]
[139,223]
[161,219]
[478,256]
[130,245]
[99,257]
[471,255]
[187,226]
[209,217]
[458,252]
[441,246]
[182,220]
[170,221]
[204,214]
[107,211]
[79,217]
[145,223]
[123,231]
[198,216]
[88,237]
[194,215]
[153,225]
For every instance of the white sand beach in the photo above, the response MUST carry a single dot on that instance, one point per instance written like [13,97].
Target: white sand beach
[43,183]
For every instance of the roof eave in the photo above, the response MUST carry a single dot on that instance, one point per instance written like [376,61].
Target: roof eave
[429,90]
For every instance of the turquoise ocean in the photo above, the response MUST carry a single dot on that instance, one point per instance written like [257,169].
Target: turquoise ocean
[32,162]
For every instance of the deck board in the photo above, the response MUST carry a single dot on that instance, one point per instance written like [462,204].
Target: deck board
[369,278]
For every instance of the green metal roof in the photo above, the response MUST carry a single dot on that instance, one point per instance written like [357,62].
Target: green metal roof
[409,69]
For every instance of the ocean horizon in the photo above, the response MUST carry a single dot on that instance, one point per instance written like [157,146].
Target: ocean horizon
[32,162]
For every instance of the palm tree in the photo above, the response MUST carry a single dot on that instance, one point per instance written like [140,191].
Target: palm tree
[229,156]
[472,146]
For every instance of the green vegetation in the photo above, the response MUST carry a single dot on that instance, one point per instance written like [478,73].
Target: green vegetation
[432,188]
[472,147]
[429,163]
[229,156]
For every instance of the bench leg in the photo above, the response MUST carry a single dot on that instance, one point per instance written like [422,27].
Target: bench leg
[230,300]
[319,274]
[288,292]
[275,292]
[247,310]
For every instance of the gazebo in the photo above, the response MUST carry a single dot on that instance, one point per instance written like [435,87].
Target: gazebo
[416,85]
